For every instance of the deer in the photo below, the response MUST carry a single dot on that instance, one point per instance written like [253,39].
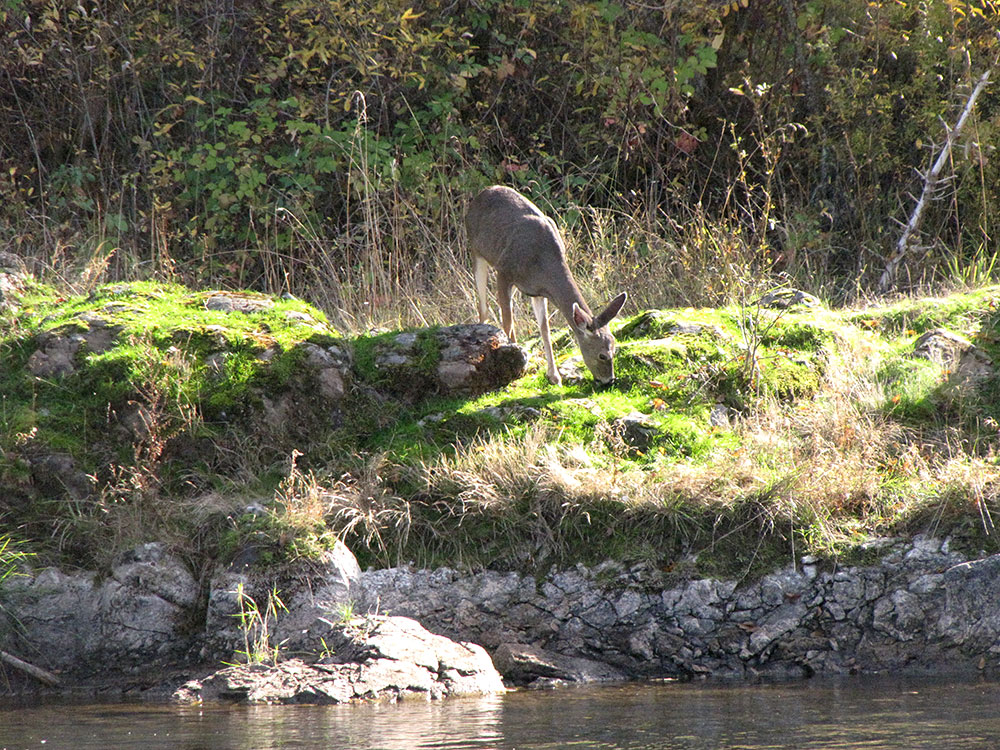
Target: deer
[507,231]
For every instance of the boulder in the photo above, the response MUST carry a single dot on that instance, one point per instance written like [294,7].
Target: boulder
[637,431]
[329,367]
[782,299]
[967,363]
[78,622]
[57,475]
[12,277]
[522,664]
[367,658]
[242,302]
[461,359]
[311,593]
[56,350]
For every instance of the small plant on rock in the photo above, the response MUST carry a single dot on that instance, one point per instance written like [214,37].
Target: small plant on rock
[256,627]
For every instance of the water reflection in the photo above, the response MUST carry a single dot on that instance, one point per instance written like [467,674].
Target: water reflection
[852,713]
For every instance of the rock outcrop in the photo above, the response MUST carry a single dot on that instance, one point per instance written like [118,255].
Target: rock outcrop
[369,658]
[921,608]
[523,664]
[464,359]
[137,617]
[965,362]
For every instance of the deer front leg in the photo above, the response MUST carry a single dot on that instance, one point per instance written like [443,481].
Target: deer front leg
[504,290]
[482,270]
[541,307]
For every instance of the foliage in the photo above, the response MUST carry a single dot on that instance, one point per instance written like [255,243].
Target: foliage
[255,625]
[327,148]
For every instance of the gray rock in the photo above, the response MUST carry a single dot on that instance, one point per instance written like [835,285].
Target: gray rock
[312,594]
[242,303]
[967,363]
[521,664]
[782,299]
[922,607]
[330,368]
[56,351]
[56,474]
[719,416]
[460,359]
[902,613]
[55,355]
[79,623]
[373,658]
[637,431]
[151,568]
[13,278]
[12,263]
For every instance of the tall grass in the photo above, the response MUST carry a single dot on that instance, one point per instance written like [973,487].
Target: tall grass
[256,626]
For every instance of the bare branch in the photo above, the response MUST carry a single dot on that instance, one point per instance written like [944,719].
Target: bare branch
[38,673]
[930,184]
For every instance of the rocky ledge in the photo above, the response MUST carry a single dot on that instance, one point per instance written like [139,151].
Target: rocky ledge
[365,658]
[917,607]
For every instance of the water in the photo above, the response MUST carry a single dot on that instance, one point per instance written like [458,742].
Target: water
[846,713]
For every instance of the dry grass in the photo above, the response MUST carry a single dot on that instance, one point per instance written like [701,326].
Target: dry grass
[821,475]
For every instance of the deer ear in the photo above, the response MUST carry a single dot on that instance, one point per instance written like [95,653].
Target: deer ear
[580,319]
[609,312]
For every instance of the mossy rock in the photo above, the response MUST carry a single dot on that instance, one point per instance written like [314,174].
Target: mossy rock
[132,370]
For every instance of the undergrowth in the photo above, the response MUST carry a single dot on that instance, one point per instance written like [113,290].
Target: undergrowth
[873,442]
[735,439]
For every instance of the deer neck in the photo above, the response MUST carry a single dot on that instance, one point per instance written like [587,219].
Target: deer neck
[565,293]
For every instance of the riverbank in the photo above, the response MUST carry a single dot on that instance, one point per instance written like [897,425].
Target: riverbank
[710,514]
[916,608]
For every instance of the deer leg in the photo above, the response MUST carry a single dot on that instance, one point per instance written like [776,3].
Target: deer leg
[482,270]
[541,307]
[504,291]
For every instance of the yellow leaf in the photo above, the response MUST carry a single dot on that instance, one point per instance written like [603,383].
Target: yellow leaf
[409,15]
[717,41]
[195,99]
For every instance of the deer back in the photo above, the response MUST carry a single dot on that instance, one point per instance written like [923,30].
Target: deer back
[511,234]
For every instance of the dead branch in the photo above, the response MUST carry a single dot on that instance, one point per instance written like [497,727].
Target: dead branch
[930,184]
[39,674]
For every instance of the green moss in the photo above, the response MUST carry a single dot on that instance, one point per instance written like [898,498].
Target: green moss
[963,313]
[207,378]
[910,386]
[170,355]
[798,333]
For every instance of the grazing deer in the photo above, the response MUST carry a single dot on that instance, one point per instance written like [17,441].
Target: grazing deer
[510,233]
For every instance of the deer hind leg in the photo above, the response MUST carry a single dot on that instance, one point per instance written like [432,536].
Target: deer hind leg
[505,290]
[541,307]
[482,270]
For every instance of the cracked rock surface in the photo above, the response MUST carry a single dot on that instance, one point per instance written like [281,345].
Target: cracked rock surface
[372,658]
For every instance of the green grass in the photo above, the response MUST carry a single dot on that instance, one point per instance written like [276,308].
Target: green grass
[836,434]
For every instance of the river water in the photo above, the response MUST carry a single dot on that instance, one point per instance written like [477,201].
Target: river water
[820,713]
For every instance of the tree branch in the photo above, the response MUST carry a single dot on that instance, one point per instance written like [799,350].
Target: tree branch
[930,182]
[39,674]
